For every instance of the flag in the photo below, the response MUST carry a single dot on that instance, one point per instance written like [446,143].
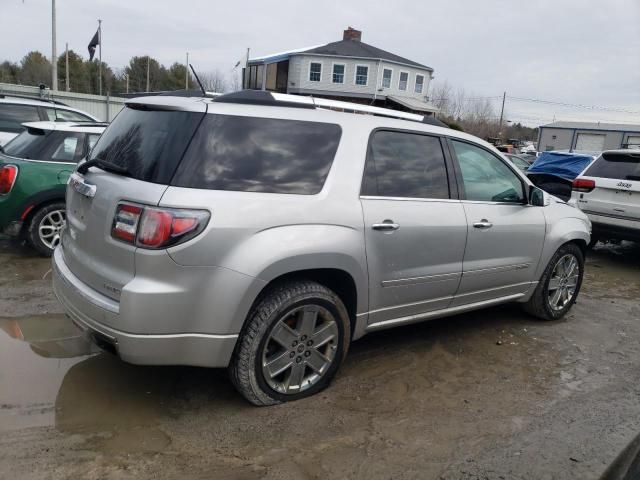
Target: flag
[95,41]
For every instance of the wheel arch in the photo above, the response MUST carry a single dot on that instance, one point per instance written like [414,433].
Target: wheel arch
[38,201]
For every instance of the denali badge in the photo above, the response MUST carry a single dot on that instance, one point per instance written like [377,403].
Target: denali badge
[79,185]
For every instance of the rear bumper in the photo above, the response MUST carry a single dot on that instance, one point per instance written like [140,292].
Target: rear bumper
[90,310]
[605,226]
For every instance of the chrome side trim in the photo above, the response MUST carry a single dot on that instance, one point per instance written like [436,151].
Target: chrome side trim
[505,268]
[410,199]
[404,305]
[439,313]
[417,280]
[475,292]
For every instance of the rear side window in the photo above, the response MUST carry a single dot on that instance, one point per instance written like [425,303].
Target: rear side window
[12,116]
[620,166]
[403,164]
[60,115]
[251,154]
[148,143]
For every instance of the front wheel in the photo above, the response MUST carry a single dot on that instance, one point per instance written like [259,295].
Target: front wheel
[292,345]
[45,226]
[560,284]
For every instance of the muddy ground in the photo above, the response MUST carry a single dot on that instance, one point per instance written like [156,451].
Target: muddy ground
[487,395]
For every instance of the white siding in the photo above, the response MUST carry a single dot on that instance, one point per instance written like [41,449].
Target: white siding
[299,76]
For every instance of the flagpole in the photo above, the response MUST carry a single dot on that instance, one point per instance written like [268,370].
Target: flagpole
[186,76]
[66,61]
[54,54]
[100,57]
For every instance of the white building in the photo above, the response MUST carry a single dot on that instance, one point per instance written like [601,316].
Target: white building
[348,70]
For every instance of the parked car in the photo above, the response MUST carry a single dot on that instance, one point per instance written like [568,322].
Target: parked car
[34,168]
[15,111]
[608,191]
[554,172]
[518,161]
[263,232]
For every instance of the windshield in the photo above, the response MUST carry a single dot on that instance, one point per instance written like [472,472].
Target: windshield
[147,144]
[29,144]
[618,165]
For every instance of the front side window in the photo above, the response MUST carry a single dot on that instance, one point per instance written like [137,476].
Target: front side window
[12,117]
[315,72]
[386,77]
[403,164]
[338,73]
[56,114]
[485,177]
[404,79]
[362,74]
[419,83]
[251,154]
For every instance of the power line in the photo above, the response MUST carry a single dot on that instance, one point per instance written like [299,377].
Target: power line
[574,105]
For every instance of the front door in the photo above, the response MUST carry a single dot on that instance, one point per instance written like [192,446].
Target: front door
[505,235]
[415,232]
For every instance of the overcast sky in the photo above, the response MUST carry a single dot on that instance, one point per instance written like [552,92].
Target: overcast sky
[572,51]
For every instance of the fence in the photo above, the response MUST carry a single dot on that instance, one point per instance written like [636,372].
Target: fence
[102,107]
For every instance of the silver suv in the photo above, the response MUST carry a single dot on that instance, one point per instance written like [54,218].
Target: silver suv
[608,191]
[264,232]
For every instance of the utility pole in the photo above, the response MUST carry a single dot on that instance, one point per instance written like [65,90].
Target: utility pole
[100,57]
[126,76]
[186,74]
[504,96]
[66,61]
[54,53]
[147,73]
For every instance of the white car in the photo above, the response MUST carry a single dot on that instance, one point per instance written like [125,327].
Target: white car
[16,110]
[608,191]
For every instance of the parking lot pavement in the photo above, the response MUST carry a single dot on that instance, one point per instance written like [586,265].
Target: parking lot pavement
[491,394]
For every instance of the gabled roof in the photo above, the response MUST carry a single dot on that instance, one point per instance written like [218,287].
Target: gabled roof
[358,49]
[623,127]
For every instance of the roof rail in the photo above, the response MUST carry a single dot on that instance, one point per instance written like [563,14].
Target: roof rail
[261,97]
[29,97]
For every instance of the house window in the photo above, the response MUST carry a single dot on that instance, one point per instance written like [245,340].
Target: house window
[404,79]
[362,74]
[386,77]
[315,71]
[338,73]
[419,83]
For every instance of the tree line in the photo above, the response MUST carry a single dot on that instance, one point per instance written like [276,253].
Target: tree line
[35,69]
[476,115]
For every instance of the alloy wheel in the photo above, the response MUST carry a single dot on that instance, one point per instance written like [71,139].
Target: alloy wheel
[563,282]
[50,228]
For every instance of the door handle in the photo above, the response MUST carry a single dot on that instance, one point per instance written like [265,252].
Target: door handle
[386,226]
[484,223]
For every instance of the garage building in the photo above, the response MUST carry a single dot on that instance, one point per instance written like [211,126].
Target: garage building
[588,136]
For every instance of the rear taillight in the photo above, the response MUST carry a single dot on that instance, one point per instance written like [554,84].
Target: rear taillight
[8,175]
[583,185]
[155,228]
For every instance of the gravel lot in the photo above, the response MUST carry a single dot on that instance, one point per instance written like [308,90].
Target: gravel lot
[487,395]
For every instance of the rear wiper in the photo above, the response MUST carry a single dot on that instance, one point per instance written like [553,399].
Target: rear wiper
[103,164]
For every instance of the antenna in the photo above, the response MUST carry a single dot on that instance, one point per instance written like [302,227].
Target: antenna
[204,92]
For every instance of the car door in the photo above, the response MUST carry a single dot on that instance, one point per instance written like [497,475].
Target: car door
[505,234]
[415,227]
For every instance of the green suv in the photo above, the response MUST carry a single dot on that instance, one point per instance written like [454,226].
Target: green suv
[34,168]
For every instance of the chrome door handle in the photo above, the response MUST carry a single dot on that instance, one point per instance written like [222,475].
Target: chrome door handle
[484,223]
[385,226]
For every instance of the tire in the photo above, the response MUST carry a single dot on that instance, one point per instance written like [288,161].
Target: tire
[279,334]
[43,230]
[592,242]
[541,304]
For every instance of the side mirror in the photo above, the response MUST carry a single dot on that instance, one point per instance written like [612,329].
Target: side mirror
[536,196]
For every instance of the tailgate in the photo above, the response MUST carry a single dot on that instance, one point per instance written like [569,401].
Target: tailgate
[620,198]
[100,261]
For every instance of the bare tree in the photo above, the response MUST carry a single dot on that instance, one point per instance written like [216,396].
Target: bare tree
[213,81]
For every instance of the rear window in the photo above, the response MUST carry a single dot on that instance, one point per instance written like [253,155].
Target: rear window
[48,145]
[619,165]
[148,143]
[259,155]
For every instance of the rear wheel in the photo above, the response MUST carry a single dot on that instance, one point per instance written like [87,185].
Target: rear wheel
[44,228]
[292,345]
[560,284]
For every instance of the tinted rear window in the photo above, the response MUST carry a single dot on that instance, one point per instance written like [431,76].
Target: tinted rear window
[149,143]
[259,155]
[621,166]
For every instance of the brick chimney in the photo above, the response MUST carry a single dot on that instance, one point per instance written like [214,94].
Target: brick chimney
[352,34]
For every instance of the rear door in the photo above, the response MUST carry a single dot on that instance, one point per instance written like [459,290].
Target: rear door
[148,142]
[617,186]
[415,227]
[505,235]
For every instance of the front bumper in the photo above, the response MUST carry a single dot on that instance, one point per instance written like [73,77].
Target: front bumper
[90,310]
